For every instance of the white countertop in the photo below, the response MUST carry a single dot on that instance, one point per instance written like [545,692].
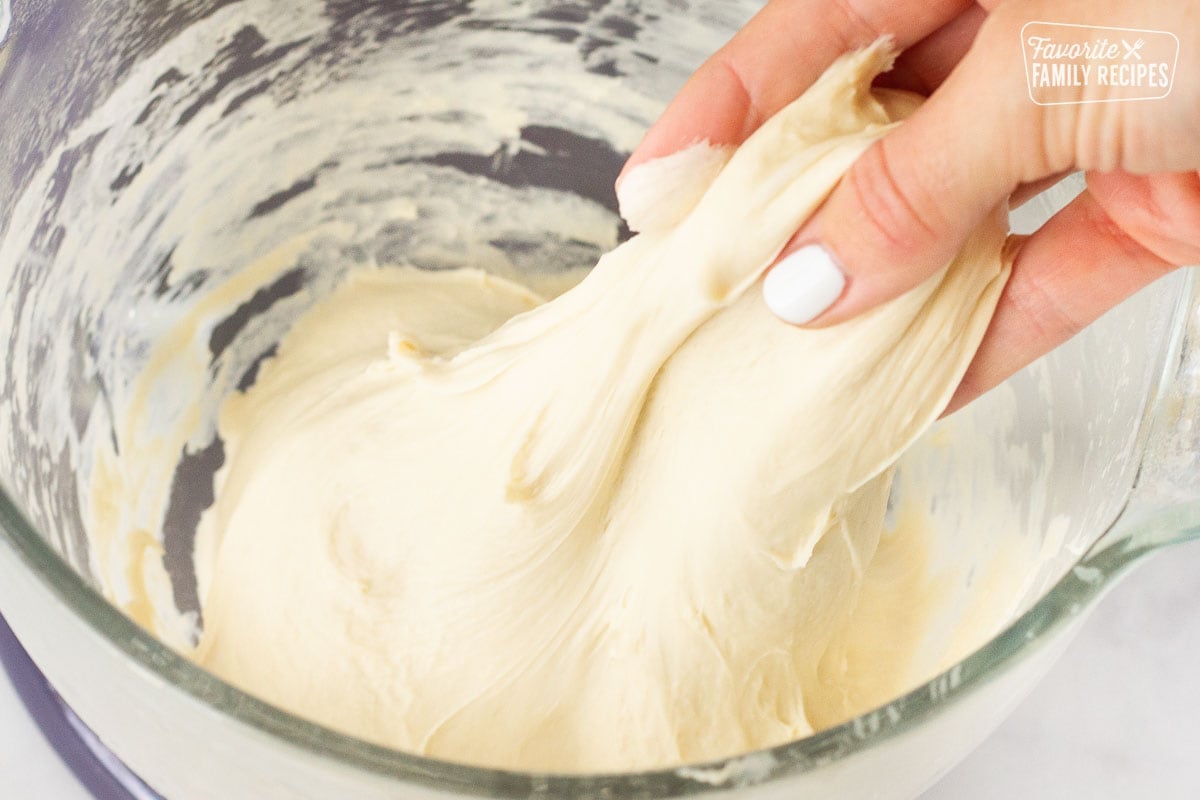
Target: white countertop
[1117,718]
[29,769]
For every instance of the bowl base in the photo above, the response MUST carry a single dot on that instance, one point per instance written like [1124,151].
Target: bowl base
[96,767]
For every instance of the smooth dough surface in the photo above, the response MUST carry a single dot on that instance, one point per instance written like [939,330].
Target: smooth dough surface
[618,530]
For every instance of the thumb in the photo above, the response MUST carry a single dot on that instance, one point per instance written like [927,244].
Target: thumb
[907,205]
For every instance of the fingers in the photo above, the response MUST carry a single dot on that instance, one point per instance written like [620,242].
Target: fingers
[773,59]
[1068,273]
[1159,211]
[907,205]
[926,65]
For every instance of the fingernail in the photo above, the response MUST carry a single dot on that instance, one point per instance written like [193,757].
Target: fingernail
[803,285]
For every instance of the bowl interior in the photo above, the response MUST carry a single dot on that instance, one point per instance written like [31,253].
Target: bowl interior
[175,193]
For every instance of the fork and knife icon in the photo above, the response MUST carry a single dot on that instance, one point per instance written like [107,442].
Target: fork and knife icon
[1133,50]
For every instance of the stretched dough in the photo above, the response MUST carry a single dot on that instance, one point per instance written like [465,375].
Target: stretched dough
[616,530]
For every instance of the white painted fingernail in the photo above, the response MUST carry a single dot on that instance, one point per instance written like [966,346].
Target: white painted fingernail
[803,285]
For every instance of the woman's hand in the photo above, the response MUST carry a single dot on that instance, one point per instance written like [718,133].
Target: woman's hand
[909,202]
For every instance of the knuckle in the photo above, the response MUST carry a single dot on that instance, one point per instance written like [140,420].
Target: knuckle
[1159,215]
[887,206]
[1111,230]
[1041,138]
[1101,140]
[854,26]
[1043,311]
[1174,218]
[748,103]
[1054,131]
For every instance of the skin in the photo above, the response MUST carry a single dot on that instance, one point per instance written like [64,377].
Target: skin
[910,201]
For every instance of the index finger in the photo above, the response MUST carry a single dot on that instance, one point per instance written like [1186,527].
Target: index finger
[774,58]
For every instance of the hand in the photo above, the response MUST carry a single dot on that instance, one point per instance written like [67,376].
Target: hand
[909,202]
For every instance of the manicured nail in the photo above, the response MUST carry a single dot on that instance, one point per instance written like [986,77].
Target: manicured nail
[803,285]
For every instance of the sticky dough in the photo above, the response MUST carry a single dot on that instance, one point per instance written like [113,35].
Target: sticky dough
[612,531]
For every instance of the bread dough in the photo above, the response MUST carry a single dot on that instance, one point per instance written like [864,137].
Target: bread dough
[617,530]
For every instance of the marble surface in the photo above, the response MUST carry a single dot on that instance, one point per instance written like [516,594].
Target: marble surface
[1117,718]
[1119,715]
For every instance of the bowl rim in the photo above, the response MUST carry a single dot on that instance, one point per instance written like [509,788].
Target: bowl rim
[1071,596]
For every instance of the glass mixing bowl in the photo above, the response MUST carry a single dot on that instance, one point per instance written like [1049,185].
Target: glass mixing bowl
[207,170]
